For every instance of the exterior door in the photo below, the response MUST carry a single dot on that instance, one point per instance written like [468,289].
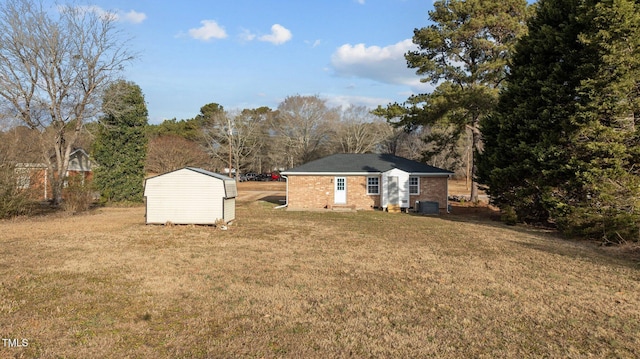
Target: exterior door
[340,190]
[394,187]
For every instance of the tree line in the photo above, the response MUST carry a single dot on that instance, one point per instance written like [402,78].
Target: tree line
[300,129]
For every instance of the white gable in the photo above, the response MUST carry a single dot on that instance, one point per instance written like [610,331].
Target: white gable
[395,188]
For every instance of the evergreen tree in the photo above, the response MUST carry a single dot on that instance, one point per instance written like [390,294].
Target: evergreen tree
[522,137]
[562,144]
[464,52]
[604,197]
[189,129]
[121,145]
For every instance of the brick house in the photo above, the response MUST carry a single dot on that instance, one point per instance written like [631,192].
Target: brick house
[35,176]
[364,182]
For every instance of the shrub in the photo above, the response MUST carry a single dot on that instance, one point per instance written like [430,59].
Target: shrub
[610,225]
[14,201]
[78,195]
[508,215]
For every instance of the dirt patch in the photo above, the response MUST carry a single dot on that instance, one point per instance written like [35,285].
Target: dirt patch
[479,211]
[278,186]
[273,192]
[268,196]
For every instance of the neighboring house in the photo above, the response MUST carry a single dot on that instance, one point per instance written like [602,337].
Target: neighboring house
[190,196]
[79,163]
[35,176]
[365,181]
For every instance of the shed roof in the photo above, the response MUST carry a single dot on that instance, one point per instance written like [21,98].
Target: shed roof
[367,163]
[212,174]
[201,171]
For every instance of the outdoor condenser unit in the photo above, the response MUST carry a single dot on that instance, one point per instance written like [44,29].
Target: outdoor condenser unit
[427,207]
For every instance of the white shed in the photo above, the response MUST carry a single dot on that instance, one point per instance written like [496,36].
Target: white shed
[190,196]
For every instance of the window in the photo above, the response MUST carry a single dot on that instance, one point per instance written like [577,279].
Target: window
[23,178]
[373,185]
[414,185]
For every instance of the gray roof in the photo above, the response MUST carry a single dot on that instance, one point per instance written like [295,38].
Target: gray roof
[369,163]
[201,171]
[209,173]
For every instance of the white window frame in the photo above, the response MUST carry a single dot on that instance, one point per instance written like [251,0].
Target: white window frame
[369,185]
[415,186]
[23,178]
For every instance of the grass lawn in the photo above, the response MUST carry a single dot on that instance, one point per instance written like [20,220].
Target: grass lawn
[310,285]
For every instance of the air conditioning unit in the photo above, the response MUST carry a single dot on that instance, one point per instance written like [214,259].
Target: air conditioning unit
[427,207]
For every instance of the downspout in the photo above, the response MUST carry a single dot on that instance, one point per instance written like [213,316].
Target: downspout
[286,201]
[448,178]
[46,180]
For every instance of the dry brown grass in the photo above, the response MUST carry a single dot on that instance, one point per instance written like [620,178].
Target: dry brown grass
[312,285]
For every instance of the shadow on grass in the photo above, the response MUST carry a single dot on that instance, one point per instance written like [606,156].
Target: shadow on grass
[543,239]
[549,238]
[591,251]
[278,200]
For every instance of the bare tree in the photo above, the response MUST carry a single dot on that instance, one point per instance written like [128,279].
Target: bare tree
[233,137]
[303,127]
[400,142]
[392,140]
[359,131]
[53,67]
[171,152]
[20,144]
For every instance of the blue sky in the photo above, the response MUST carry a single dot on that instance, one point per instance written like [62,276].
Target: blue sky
[251,53]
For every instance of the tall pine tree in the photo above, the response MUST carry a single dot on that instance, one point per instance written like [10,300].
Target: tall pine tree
[121,144]
[562,145]
[464,52]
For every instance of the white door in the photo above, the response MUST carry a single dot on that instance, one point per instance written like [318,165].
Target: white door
[394,195]
[340,191]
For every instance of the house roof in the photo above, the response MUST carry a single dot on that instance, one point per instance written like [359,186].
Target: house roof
[80,151]
[368,163]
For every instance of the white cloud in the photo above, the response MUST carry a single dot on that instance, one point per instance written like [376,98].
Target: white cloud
[383,64]
[279,35]
[246,35]
[361,2]
[313,44]
[209,29]
[107,15]
[344,101]
[132,16]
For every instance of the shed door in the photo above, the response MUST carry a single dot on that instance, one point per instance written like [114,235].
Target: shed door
[340,191]
[229,209]
[394,191]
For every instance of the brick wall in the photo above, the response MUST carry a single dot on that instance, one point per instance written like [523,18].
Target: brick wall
[432,189]
[316,192]
[308,192]
[357,193]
